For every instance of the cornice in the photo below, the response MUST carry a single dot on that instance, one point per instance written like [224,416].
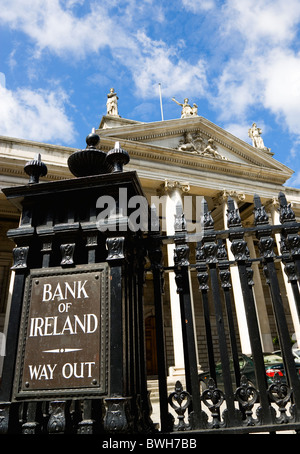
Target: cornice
[170,128]
[18,172]
[259,165]
[159,154]
[47,146]
[202,131]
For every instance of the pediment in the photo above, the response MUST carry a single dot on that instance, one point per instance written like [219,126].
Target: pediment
[198,140]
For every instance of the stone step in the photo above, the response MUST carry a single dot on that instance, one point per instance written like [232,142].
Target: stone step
[152,386]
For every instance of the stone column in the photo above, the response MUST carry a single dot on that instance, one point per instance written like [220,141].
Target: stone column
[272,207]
[235,278]
[173,191]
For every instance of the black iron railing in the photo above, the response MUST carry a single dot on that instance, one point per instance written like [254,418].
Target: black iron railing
[241,405]
[121,405]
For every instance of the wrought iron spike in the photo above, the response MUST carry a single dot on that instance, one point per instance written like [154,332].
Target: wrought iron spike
[35,169]
[205,206]
[233,214]
[257,201]
[154,220]
[117,157]
[260,215]
[208,221]
[286,212]
[282,198]
[179,222]
[230,203]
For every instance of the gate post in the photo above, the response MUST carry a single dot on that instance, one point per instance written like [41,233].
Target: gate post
[75,331]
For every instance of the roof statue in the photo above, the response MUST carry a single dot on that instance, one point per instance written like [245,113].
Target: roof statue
[112,103]
[255,135]
[187,110]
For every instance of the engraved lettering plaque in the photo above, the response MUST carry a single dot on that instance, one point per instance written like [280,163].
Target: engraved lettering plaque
[62,344]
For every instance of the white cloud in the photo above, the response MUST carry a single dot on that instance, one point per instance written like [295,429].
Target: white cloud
[263,68]
[239,130]
[282,87]
[239,87]
[71,3]
[274,21]
[271,81]
[158,62]
[35,115]
[51,26]
[198,5]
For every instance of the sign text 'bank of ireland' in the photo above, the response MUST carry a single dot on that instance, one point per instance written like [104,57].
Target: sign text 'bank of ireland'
[63,332]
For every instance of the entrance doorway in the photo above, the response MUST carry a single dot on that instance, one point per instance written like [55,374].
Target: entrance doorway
[151,355]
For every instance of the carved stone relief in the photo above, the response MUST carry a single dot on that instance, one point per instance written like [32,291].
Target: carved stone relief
[195,143]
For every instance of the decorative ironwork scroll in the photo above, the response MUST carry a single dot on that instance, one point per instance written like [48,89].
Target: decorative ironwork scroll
[180,401]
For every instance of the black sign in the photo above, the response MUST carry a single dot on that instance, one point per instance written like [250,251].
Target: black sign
[63,336]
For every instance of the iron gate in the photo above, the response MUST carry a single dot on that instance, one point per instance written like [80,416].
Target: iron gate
[241,406]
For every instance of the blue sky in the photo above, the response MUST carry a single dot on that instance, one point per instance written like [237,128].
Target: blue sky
[238,60]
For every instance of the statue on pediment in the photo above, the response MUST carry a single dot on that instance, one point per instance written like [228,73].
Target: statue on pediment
[187,110]
[255,135]
[112,103]
[195,110]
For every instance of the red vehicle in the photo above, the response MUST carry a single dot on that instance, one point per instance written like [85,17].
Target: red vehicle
[273,364]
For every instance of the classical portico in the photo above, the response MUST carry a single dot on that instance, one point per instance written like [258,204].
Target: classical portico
[191,156]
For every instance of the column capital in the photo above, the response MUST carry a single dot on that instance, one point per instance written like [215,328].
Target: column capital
[271,204]
[223,195]
[169,186]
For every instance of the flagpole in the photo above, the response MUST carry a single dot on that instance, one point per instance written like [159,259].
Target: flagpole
[161,107]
